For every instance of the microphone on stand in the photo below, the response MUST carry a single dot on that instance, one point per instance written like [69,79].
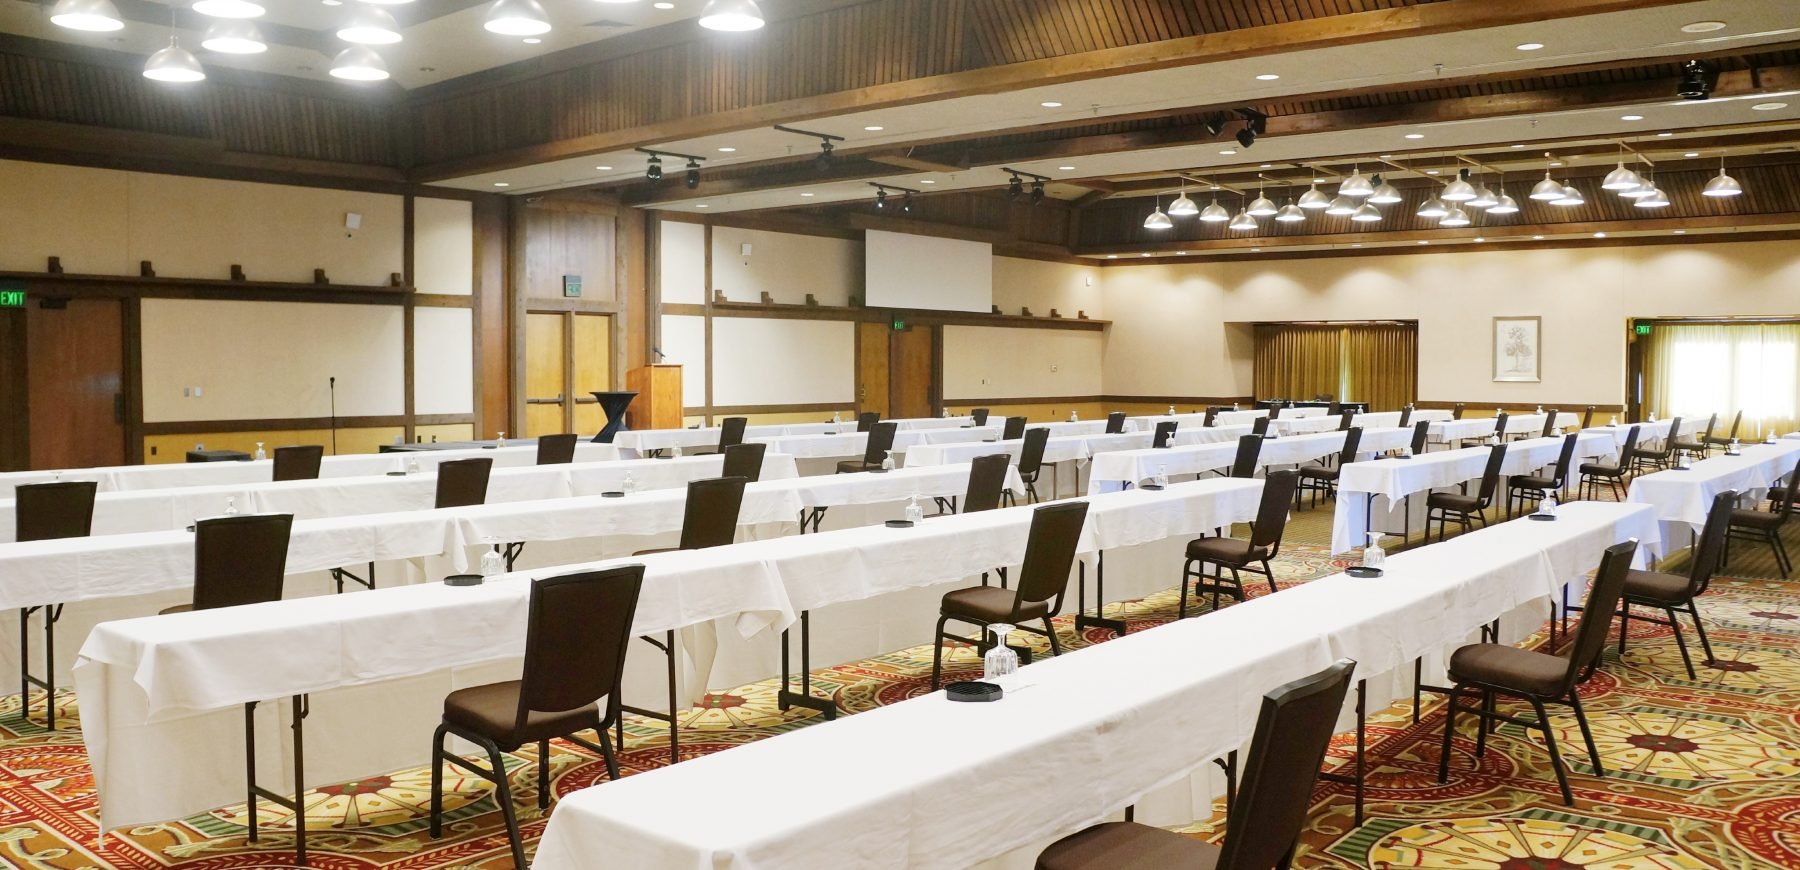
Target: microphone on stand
[660,356]
[333,383]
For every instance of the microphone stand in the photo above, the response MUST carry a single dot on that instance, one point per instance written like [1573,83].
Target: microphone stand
[333,415]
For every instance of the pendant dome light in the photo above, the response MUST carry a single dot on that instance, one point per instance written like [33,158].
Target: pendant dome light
[1290,213]
[1341,206]
[229,8]
[1314,199]
[174,64]
[1455,217]
[1433,208]
[93,16]
[359,63]
[1243,222]
[1722,184]
[734,16]
[1261,206]
[1548,189]
[1622,179]
[1157,220]
[1356,185]
[234,36]
[1484,198]
[1214,213]
[1458,189]
[513,18]
[1570,197]
[1653,196]
[1384,193]
[1182,206]
[1366,214]
[370,25]
[1505,204]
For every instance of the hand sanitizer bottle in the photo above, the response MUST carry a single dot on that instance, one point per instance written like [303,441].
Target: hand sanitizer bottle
[231,506]
[1171,410]
[836,418]
[914,513]
[412,465]
[1162,475]
[628,486]
[501,441]
[1074,417]
[492,563]
[260,454]
[675,451]
[887,461]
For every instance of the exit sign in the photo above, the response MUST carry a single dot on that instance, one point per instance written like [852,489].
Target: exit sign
[899,325]
[12,299]
[1643,329]
[571,286]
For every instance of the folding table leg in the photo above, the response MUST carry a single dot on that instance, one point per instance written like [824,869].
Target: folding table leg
[52,613]
[297,804]
[667,645]
[1356,780]
[804,698]
[1098,620]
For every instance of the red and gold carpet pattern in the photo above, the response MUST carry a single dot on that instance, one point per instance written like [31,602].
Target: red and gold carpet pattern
[1703,773]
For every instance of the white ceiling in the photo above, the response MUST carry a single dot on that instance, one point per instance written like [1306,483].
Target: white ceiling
[1652,33]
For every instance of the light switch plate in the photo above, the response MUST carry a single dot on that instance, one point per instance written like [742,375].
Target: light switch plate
[744,249]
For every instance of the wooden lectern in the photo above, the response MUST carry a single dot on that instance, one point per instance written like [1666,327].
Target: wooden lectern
[658,404]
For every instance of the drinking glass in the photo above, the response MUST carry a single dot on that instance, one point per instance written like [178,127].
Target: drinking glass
[1373,555]
[1000,660]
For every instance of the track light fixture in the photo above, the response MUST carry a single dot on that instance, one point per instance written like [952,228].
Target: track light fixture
[1697,80]
[1015,186]
[654,170]
[881,197]
[823,161]
[1255,120]
[1246,137]
[1214,123]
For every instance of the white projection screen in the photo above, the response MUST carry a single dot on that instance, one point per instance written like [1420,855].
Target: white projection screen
[908,271]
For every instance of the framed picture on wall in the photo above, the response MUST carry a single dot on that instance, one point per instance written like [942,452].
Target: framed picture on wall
[1517,353]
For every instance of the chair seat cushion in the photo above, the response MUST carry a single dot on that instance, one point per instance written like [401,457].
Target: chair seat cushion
[1453,501]
[854,466]
[1652,587]
[990,604]
[1600,469]
[1225,551]
[1314,472]
[1531,482]
[177,608]
[1115,845]
[492,711]
[1689,445]
[1521,670]
[1756,519]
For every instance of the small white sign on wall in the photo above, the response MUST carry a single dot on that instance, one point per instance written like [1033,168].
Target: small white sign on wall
[1517,350]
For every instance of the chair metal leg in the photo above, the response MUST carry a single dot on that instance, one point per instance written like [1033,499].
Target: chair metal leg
[1681,643]
[1050,631]
[1556,762]
[544,774]
[1587,734]
[1700,629]
[1624,625]
[1481,722]
[503,794]
[1449,731]
[937,654]
[437,781]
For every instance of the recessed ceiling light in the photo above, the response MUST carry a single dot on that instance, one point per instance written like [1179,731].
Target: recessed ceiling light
[1556,163]
[1180,253]
[726,149]
[927,181]
[1599,235]
[1145,254]
[1538,238]
[1691,154]
[1112,256]
[1529,46]
[806,194]
[1431,172]
[1480,239]
[1228,151]
[1423,242]
[1703,27]
[532,40]
[1356,244]
[1415,135]
[1065,169]
[332,2]
[1769,107]
[874,128]
[1681,232]
[1051,104]
[1267,166]
[1267,77]
[1519,145]
[502,184]
[663,5]
[1256,250]
[1631,117]
[604,168]
[1664,134]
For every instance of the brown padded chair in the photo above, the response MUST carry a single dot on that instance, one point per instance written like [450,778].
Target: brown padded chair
[1673,593]
[1696,446]
[979,416]
[1421,435]
[1211,419]
[1165,434]
[1043,577]
[1593,474]
[1764,527]
[745,461]
[1115,423]
[731,432]
[1238,555]
[300,462]
[578,629]
[1549,423]
[238,560]
[1293,732]
[987,482]
[1499,432]
[865,422]
[462,482]
[1243,464]
[1532,488]
[1466,509]
[1260,426]
[46,512]
[1405,417]
[1723,441]
[1652,460]
[1587,417]
[556,449]
[1319,479]
[875,449]
[1537,677]
[1346,420]
[1013,427]
[1031,460]
[1456,411]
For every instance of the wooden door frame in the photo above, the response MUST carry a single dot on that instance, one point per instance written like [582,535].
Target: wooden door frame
[934,400]
[131,384]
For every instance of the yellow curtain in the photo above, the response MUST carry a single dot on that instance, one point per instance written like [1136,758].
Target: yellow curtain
[1381,362]
[1297,361]
[1698,369]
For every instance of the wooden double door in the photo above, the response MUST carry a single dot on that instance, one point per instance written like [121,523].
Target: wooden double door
[568,356]
[897,370]
[62,384]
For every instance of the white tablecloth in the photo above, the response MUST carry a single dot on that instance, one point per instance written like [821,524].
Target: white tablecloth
[1072,448]
[852,444]
[1117,469]
[171,686]
[1395,479]
[959,784]
[122,478]
[638,441]
[1684,497]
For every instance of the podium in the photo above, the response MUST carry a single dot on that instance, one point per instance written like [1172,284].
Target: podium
[658,405]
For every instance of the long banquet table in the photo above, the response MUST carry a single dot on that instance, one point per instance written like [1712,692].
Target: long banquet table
[955,785]
[640,441]
[172,686]
[1682,497]
[1122,468]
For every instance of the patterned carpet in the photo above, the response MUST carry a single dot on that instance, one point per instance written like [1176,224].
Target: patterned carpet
[1702,773]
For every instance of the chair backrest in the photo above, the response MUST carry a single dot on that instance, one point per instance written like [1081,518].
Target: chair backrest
[1549,422]
[300,462]
[555,449]
[463,482]
[1261,425]
[745,461]
[709,518]
[1049,551]
[731,431]
[1352,444]
[240,559]
[1031,453]
[1165,433]
[1736,420]
[1587,417]
[1406,416]
[1244,464]
[1711,551]
[1490,477]
[1456,411]
[1211,419]
[1272,514]
[1711,423]
[1602,605]
[1564,459]
[1500,424]
[881,440]
[1293,732]
[1421,432]
[1629,448]
[578,627]
[979,416]
[1668,444]
[987,481]
[47,511]
[1275,411]
[867,420]
[1115,423]
[1787,494]
[1013,428]
[1345,420]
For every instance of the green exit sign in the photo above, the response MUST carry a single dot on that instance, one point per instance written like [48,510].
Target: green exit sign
[1643,329]
[571,286]
[899,325]
[12,299]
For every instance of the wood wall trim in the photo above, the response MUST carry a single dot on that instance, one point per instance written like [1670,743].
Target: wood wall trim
[201,427]
[739,410]
[126,287]
[879,315]
[492,385]
[442,300]
[1509,407]
[1180,400]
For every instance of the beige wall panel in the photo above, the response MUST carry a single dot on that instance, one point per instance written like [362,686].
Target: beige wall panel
[443,246]
[758,361]
[1042,285]
[445,432]
[71,212]
[684,344]
[992,361]
[787,266]
[683,262]
[199,227]
[255,360]
[443,361]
